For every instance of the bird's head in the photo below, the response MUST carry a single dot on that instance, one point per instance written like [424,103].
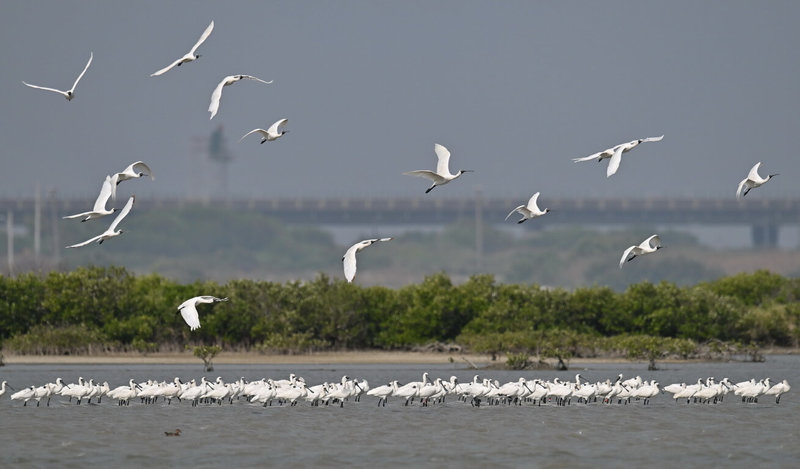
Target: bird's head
[465,171]
[70,95]
[547,210]
[197,56]
[773,175]
[114,210]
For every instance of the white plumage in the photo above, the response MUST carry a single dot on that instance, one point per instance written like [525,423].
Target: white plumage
[99,209]
[275,131]
[752,181]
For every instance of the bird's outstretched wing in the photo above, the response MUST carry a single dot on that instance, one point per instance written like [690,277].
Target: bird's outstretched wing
[63,93]
[216,95]
[251,77]
[275,128]
[753,174]
[625,256]
[203,37]
[91,56]
[102,198]
[88,241]
[652,139]
[532,205]
[349,262]
[513,211]
[652,242]
[741,188]
[424,173]
[442,159]
[261,131]
[189,313]
[593,156]
[141,167]
[613,163]
[167,68]
[123,213]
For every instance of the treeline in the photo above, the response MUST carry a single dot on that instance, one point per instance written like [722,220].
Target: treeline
[109,309]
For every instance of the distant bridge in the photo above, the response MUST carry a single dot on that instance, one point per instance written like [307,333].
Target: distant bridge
[764,216]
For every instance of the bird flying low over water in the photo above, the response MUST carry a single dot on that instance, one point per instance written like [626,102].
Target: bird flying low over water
[133,171]
[649,245]
[275,131]
[111,232]
[99,209]
[349,258]
[615,153]
[531,210]
[188,309]
[216,95]
[69,94]
[752,181]
[442,174]
[190,56]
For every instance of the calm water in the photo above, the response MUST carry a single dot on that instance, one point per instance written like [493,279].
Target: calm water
[731,434]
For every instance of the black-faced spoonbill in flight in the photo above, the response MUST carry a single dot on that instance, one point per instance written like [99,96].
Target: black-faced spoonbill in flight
[615,153]
[275,131]
[442,174]
[349,258]
[69,94]
[111,232]
[216,95]
[188,309]
[190,56]
[648,246]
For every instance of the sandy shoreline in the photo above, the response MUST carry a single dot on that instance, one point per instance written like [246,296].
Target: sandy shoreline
[321,358]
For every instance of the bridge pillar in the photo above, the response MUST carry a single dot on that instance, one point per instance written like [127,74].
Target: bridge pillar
[764,236]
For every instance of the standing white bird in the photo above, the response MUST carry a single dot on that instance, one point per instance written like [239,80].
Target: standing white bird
[188,309]
[69,94]
[133,171]
[752,181]
[99,209]
[190,56]
[615,153]
[442,174]
[111,231]
[216,95]
[349,258]
[649,245]
[531,210]
[275,131]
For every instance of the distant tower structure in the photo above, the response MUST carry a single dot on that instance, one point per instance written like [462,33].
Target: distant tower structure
[219,153]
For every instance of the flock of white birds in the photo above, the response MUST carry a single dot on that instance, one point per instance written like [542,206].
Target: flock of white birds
[425,392]
[439,177]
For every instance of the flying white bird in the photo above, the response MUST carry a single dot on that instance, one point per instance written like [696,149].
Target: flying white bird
[531,210]
[99,209]
[188,309]
[190,56]
[442,175]
[133,171]
[349,258]
[229,80]
[275,131]
[752,181]
[615,153]
[649,245]
[111,231]
[71,92]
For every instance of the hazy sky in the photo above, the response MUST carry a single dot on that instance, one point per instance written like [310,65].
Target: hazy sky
[514,89]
